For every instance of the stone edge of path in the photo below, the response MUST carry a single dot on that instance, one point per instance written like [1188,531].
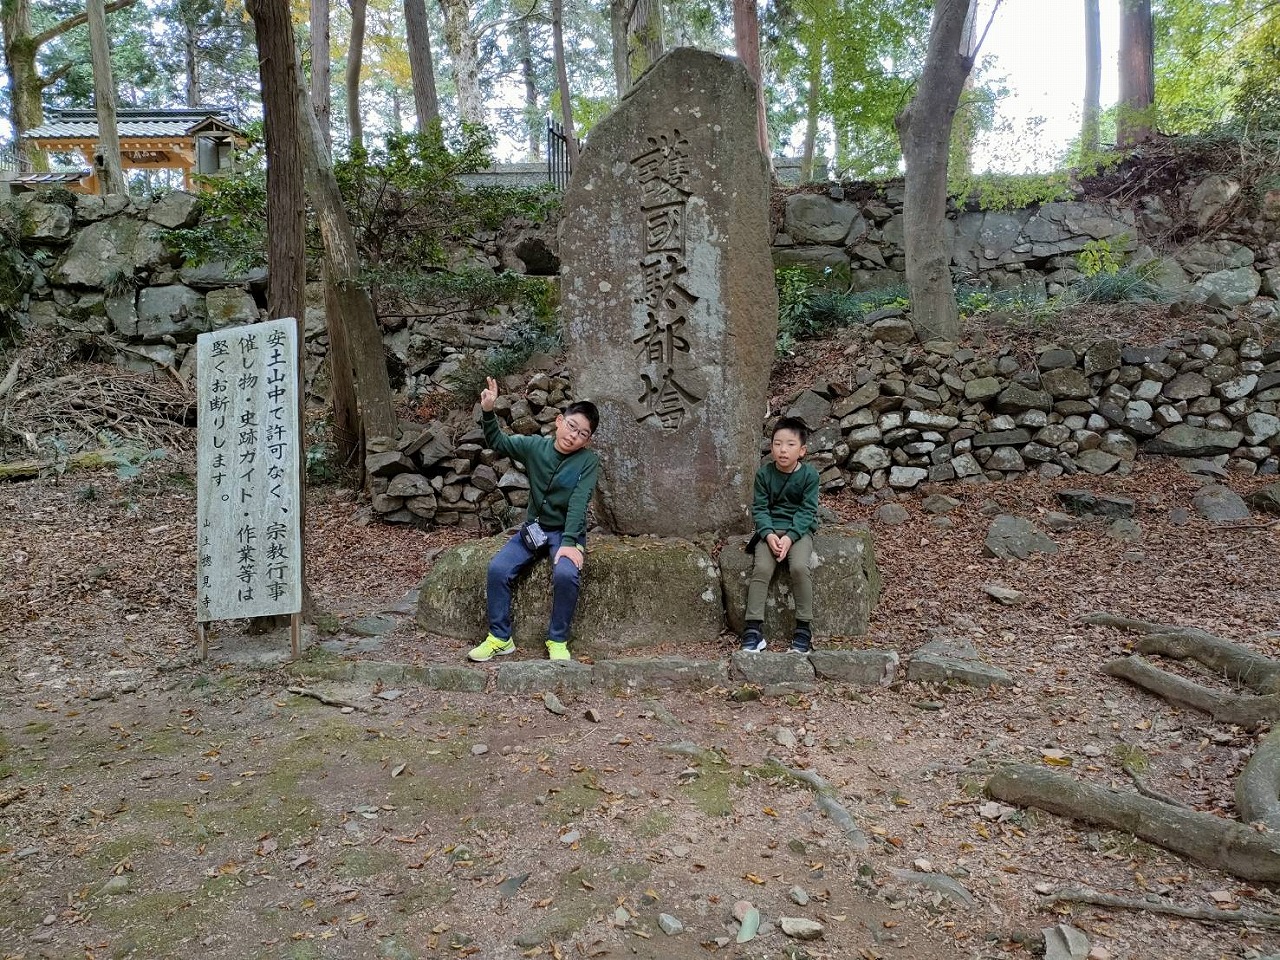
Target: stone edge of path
[773,671]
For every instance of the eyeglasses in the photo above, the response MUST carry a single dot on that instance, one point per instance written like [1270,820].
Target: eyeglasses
[581,433]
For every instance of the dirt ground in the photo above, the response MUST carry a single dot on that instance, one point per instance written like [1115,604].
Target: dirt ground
[155,806]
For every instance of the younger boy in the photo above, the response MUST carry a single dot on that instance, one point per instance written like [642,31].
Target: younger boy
[785,510]
[562,475]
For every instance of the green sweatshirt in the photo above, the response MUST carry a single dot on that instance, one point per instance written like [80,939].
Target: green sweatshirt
[564,505]
[786,503]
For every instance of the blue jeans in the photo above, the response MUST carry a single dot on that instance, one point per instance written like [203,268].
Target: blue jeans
[506,567]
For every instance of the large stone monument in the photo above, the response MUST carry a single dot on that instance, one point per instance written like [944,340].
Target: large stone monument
[669,307]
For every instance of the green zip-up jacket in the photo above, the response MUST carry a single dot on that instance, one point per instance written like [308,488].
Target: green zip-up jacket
[785,503]
[564,505]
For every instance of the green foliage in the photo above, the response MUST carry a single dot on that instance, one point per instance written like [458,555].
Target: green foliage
[466,382]
[1123,285]
[1098,256]
[233,218]
[865,55]
[475,290]
[406,200]
[807,309]
[126,456]
[322,462]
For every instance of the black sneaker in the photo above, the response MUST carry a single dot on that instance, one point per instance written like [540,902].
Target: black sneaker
[753,639]
[802,641]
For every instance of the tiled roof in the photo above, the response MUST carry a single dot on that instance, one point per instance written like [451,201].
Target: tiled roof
[146,124]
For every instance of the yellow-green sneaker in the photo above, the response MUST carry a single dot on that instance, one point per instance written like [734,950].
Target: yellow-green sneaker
[558,651]
[492,647]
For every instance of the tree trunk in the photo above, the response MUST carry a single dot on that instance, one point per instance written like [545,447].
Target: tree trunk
[746,40]
[524,50]
[811,110]
[286,201]
[26,86]
[321,70]
[619,17]
[1137,73]
[191,51]
[355,58]
[352,325]
[1092,79]
[421,66]
[924,129]
[562,82]
[460,38]
[644,37]
[107,151]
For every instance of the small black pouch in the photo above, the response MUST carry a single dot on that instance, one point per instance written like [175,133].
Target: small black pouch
[750,546]
[533,536]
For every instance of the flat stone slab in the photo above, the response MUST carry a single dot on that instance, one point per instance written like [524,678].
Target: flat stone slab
[954,661]
[636,592]
[1012,537]
[846,586]
[863,668]
[1086,503]
[537,676]
[770,669]
[660,673]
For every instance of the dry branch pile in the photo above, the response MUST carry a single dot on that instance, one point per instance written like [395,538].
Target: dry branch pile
[51,410]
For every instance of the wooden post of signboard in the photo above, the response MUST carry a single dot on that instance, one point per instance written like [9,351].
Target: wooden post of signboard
[249,489]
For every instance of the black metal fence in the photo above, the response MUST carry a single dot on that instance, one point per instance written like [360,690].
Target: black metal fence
[558,166]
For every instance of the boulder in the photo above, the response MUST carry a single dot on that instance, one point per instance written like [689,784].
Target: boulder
[1086,503]
[1220,504]
[846,586]
[175,209]
[230,307]
[1011,537]
[105,252]
[954,661]
[1228,288]
[635,593]
[46,222]
[816,218]
[171,311]
[1184,440]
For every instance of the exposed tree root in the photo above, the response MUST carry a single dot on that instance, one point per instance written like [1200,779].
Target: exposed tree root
[1258,673]
[1257,918]
[1147,791]
[1246,710]
[1227,845]
[1258,788]
[827,799]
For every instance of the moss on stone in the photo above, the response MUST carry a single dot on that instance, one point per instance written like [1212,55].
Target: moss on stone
[361,864]
[653,825]
[710,792]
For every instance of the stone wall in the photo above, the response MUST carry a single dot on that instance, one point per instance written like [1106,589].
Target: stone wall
[105,270]
[903,414]
[855,240]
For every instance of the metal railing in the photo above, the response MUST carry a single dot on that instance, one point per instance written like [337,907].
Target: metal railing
[558,165]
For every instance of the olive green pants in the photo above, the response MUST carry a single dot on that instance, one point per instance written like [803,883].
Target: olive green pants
[800,562]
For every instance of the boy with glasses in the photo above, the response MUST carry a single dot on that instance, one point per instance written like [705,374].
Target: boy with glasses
[562,475]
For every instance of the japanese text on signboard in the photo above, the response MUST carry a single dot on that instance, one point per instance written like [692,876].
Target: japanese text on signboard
[248,533]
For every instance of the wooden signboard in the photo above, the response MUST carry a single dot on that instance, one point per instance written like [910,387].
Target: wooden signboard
[249,506]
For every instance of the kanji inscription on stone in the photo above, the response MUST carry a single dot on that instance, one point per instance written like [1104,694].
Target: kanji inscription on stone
[248,513]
